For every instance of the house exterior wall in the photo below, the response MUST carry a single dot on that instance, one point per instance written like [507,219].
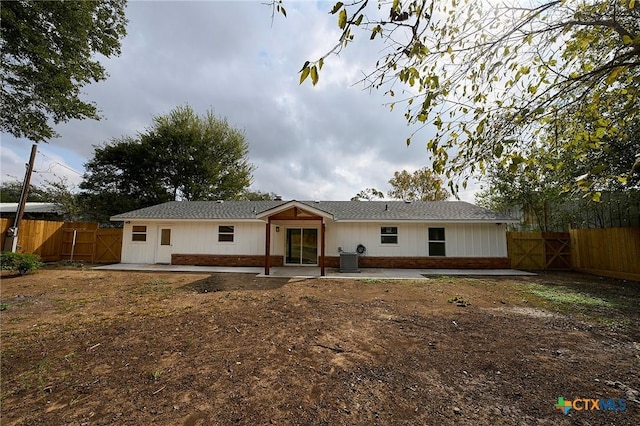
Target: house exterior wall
[461,239]
[201,238]
[193,238]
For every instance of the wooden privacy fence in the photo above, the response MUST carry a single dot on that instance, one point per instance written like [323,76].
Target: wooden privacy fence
[54,241]
[539,250]
[613,252]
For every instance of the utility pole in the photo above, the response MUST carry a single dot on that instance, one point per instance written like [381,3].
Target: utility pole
[12,234]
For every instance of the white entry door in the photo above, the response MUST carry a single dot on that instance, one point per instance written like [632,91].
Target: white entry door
[163,253]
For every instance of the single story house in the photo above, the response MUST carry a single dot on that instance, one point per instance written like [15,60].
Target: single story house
[385,234]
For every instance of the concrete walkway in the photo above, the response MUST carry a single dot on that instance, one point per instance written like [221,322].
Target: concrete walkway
[314,271]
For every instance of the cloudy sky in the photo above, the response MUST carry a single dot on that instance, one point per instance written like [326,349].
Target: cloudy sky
[325,142]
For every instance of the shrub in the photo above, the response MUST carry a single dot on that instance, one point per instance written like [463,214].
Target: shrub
[24,263]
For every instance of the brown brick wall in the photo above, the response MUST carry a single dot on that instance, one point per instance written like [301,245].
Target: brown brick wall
[426,262]
[223,260]
[363,261]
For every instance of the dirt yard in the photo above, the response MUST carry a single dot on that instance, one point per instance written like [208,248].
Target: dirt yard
[85,347]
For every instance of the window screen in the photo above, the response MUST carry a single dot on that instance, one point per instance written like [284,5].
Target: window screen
[139,233]
[436,242]
[389,235]
[225,234]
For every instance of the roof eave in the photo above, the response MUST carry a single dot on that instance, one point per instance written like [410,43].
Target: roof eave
[498,221]
[174,219]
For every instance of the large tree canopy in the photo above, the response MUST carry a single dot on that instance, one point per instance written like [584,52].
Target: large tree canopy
[492,79]
[182,156]
[48,53]
[421,185]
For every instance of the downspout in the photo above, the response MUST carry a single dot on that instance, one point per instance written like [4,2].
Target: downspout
[322,240]
[267,254]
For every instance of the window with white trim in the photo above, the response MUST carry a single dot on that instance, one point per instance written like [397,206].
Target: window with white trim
[389,235]
[436,242]
[225,233]
[139,233]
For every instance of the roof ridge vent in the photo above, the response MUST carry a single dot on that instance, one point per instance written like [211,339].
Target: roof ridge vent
[219,201]
[407,201]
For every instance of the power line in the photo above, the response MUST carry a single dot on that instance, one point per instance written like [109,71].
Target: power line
[53,163]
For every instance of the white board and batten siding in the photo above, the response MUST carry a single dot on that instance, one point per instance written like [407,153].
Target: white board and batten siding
[461,239]
[192,238]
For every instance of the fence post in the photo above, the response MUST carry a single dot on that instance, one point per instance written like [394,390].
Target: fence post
[73,244]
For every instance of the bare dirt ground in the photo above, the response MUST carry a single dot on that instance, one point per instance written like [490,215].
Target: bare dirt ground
[85,347]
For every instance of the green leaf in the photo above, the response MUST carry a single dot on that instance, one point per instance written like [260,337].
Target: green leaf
[377,29]
[314,75]
[304,74]
[342,19]
[336,7]
[614,75]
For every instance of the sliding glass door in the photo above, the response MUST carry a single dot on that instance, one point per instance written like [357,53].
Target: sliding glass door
[302,246]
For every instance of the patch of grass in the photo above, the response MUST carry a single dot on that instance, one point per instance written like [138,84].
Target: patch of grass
[3,306]
[155,286]
[71,264]
[68,305]
[158,281]
[70,359]
[459,301]
[155,374]
[603,304]
[565,296]
[373,281]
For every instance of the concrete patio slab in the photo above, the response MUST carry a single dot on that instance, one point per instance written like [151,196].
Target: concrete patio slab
[314,271]
[476,272]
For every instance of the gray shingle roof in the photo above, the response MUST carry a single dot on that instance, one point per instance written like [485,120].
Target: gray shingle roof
[340,210]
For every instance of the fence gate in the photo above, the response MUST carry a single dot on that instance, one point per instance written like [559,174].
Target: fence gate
[92,245]
[539,250]
[557,250]
[526,250]
[108,246]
